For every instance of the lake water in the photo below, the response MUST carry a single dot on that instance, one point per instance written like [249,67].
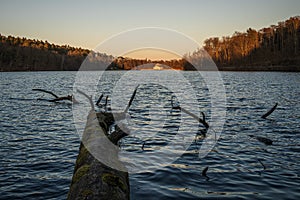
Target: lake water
[39,142]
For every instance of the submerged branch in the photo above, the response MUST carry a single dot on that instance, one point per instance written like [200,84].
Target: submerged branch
[264,140]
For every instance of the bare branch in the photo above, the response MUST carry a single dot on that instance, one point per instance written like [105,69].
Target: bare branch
[204,173]
[202,121]
[88,97]
[57,98]
[269,112]
[131,99]
[46,91]
[97,103]
[262,164]
[118,134]
[106,100]
[69,98]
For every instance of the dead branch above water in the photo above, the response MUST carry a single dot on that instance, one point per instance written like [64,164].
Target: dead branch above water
[269,112]
[57,98]
[46,91]
[131,99]
[88,97]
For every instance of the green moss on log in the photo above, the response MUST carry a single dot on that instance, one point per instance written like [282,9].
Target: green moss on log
[83,170]
[113,180]
[82,156]
[86,193]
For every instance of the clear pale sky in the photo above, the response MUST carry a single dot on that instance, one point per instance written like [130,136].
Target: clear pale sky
[87,23]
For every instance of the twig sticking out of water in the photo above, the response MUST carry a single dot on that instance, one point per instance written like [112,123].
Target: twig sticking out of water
[204,173]
[97,103]
[131,99]
[262,164]
[88,97]
[143,145]
[269,112]
[203,116]
[106,100]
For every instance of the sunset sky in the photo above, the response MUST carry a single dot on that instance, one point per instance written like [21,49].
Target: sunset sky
[88,23]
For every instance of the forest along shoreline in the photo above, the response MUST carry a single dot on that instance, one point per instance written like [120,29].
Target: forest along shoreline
[275,48]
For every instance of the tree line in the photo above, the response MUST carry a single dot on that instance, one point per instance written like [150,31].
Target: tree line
[274,48]
[277,45]
[22,54]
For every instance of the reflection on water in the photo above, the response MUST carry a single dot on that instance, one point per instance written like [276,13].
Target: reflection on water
[39,143]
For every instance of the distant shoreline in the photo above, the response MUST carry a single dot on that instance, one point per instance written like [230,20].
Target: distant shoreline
[222,69]
[278,68]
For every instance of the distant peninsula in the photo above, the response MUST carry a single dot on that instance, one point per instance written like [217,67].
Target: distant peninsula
[275,48]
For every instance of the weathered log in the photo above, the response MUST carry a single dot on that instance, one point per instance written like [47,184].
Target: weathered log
[92,179]
[269,112]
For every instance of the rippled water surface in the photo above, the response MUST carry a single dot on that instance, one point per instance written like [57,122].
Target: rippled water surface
[39,142]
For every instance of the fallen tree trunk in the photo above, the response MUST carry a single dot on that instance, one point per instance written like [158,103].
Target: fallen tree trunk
[100,174]
[92,179]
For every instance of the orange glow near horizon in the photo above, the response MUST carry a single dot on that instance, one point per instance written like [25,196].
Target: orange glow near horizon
[152,54]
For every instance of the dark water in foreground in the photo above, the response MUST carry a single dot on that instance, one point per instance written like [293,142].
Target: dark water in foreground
[39,143]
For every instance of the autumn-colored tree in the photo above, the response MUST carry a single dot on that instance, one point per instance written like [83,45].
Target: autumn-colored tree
[275,45]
